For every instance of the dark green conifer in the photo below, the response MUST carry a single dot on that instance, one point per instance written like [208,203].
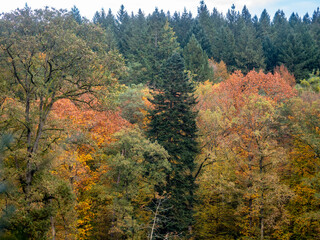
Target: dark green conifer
[209,30]
[181,26]
[232,18]
[76,14]
[196,61]
[173,126]
[106,21]
[161,44]
[248,53]
[264,25]
[224,47]
[201,37]
[137,52]
[122,30]
[299,53]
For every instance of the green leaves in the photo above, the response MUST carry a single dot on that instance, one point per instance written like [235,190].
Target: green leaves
[137,166]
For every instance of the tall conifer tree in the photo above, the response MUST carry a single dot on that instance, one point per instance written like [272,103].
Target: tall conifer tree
[173,126]
[76,14]
[197,61]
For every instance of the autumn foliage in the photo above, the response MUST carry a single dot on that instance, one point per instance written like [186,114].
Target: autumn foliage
[103,135]
[236,123]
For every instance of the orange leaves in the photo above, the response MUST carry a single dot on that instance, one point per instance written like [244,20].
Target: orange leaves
[236,125]
[100,124]
[87,131]
[256,83]
[233,91]
[286,75]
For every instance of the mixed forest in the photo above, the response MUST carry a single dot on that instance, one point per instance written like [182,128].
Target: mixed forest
[159,126]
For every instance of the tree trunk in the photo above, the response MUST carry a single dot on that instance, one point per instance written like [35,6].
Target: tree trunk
[155,219]
[53,228]
[262,201]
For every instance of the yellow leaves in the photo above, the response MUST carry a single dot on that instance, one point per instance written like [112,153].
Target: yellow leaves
[42,56]
[90,130]
[86,216]
[220,72]
[84,158]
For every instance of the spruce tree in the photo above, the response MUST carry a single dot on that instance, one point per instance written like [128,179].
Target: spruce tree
[315,31]
[299,53]
[122,30]
[205,23]
[181,26]
[201,37]
[196,61]
[76,14]
[162,43]
[249,52]
[233,18]
[137,52]
[264,25]
[173,126]
[280,31]
[225,47]
[106,21]
[315,26]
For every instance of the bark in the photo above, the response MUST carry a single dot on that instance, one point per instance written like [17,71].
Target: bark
[53,228]
[155,220]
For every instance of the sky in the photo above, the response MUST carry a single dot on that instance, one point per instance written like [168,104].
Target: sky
[89,7]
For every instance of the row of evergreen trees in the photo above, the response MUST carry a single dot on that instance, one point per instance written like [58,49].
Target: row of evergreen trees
[243,42]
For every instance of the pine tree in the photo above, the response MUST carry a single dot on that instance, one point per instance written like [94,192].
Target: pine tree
[315,26]
[201,37]
[299,53]
[246,16]
[208,27]
[181,26]
[306,19]
[315,30]
[264,34]
[106,21]
[224,47]
[137,52]
[173,126]
[232,18]
[296,48]
[248,54]
[122,30]
[280,31]
[270,53]
[162,43]
[217,18]
[264,25]
[196,61]
[76,14]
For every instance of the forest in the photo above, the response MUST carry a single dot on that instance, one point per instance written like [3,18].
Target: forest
[159,126]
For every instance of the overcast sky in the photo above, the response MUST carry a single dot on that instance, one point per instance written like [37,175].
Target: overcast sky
[89,7]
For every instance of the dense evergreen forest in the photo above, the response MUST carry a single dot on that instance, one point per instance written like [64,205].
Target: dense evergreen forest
[159,126]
